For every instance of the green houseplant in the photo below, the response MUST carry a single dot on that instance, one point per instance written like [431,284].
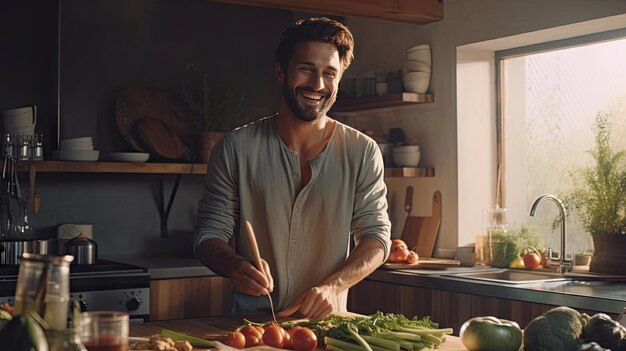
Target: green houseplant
[213,108]
[599,199]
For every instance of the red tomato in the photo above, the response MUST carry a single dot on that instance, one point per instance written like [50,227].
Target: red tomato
[251,330]
[253,336]
[398,255]
[288,343]
[274,336]
[236,340]
[532,260]
[304,340]
[398,243]
[252,341]
[412,257]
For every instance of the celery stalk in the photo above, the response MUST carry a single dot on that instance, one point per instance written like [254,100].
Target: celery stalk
[176,336]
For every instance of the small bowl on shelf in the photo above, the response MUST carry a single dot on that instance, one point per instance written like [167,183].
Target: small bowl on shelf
[405,159]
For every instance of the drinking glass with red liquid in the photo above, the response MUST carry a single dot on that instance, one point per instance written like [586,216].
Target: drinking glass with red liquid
[105,330]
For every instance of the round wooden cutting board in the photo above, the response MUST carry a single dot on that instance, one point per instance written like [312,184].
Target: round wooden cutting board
[135,103]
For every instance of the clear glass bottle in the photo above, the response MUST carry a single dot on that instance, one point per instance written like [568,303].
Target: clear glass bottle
[68,340]
[43,287]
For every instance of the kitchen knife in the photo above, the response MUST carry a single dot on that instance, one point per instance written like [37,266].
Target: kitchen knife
[256,256]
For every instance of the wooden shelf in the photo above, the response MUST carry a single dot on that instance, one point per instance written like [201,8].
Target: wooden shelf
[409,172]
[113,167]
[372,102]
[169,168]
[411,11]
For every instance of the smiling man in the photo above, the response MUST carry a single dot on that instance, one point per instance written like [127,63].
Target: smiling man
[306,182]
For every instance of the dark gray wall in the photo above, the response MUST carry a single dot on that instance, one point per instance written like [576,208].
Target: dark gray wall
[105,46]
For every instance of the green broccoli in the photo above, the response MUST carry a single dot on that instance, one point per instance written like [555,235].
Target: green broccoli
[558,329]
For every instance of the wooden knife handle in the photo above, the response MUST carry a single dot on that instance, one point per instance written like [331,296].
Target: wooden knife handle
[408,201]
[254,248]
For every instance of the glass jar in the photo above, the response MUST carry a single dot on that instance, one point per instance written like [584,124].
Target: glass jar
[497,230]
[43,287]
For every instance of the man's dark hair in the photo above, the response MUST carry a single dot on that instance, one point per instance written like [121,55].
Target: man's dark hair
[316,29]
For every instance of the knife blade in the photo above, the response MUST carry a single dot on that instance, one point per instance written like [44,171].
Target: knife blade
[256,256]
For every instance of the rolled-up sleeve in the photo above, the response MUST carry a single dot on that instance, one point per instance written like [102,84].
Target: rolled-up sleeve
[370,217]
[219,206]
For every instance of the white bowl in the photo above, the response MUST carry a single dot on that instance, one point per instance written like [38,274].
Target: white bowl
[423,56]
[413,66]
[406,148]
[18,111]
[78,155]
[416,82]
[419,47]
[29,130]
[406,159]
[130,156]
[83,143]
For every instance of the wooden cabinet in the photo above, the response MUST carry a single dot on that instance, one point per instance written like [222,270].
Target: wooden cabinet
[189,297]
[449,309]
[412,11]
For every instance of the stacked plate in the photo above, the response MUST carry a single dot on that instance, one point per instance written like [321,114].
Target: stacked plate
[20,121]
[417,67]
[77,149]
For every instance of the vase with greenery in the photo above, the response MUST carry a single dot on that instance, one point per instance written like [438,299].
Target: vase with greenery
[599,199]
[213,107]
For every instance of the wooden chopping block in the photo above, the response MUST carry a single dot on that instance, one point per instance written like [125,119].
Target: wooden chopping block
[421,232]
[159,138]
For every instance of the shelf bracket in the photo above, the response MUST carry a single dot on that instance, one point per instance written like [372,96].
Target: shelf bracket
[164,212]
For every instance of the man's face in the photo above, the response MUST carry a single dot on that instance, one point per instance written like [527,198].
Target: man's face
[311,82]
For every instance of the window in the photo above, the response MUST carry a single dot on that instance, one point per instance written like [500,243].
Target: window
[549,97]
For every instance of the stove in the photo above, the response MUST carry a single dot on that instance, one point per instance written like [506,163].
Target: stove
[104,285]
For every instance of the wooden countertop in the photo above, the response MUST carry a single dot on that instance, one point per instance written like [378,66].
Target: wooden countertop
[216,328]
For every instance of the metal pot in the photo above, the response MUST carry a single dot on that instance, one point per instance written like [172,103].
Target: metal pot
[84,250]
[11,251]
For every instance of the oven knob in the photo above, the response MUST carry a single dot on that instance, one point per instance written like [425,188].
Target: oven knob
[133,303]
[83,305]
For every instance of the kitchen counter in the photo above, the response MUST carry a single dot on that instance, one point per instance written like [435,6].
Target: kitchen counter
[166,267]
[591,295]
[607,297]
[216,328]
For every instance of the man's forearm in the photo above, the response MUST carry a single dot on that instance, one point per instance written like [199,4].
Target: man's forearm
[218,256]
[363,260]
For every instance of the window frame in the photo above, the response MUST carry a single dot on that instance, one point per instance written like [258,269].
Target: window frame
[500,56]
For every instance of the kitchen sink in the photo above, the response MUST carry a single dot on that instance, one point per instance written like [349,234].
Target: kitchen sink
[512,276]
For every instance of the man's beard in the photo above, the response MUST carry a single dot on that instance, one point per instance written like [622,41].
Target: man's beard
[307,113]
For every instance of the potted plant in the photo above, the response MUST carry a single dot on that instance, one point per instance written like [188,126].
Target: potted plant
[583,257]
[214,109]
[599,199]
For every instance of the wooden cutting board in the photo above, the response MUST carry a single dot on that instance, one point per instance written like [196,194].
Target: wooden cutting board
[136,102]
[421,232]
[426,263]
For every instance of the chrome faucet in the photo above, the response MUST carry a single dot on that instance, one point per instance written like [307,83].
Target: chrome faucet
[556,200]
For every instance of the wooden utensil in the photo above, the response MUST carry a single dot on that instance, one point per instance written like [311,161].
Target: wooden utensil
[421,232]
[256,256]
